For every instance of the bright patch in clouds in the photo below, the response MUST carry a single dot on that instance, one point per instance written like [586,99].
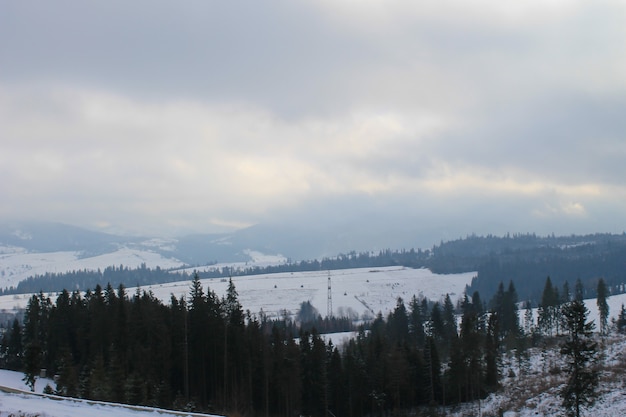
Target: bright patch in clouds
[233,115]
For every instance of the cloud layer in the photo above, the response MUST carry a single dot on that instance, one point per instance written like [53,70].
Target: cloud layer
[473,116]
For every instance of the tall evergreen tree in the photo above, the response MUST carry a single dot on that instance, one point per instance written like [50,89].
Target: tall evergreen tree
[433,369]
[579,290]
[416,323]
[12,346]
[603,306]
[528,319]
[581,352]
[566,294]
[621,320]
[472,346]
[492,357]
[436,329]
[449,320]
[504,303]
[398,323]
[547,308]
[198,327]
[510,315]
[35,337]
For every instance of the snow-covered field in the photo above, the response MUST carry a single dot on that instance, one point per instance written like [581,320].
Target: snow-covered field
[257,259]
[361,291]
[357,292]
[364,291]
[16,264]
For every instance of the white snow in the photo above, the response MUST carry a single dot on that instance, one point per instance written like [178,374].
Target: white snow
[360,291]
[27,404]
[536,392]
[614,302]
[257,259]
[17,265]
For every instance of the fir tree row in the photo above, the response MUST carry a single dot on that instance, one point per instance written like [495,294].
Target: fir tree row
[205,353]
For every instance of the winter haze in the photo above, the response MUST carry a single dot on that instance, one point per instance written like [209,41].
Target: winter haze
[389,123]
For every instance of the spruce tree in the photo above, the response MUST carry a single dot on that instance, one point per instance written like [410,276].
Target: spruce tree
[471,339]
[433,369]
[492,371]
[436,327]
[547,307]
[528,319]
[621,320]
[566,295]
[449,320]
[581,355]
[398,323]
[504,303]
[510,316]
[603,307]
[35,337]
[12,346]
[416,323]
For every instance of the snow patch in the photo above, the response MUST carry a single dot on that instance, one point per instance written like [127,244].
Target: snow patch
[17,266]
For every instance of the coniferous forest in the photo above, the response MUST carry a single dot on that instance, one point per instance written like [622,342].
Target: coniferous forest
[204,353]
[525,259]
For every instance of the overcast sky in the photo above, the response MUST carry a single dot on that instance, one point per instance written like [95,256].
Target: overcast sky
[157,117]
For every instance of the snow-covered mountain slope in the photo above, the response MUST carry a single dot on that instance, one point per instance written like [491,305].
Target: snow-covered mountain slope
[360,291]
[256,259]
[354,291]
[197,249]
[39,248]
[17,264]
[535,391]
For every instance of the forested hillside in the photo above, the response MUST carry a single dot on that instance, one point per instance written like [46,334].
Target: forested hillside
[89,279]
[526,259]
[205,353]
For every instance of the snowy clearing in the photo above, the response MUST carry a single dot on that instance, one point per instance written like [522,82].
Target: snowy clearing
[361,291]
[257,259]
[17,265]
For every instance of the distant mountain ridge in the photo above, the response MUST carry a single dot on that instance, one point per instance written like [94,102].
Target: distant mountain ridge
[525,259]
[57,237]
[294,241]
[528,260]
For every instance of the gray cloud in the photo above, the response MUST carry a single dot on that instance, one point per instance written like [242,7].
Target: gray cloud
[155,117]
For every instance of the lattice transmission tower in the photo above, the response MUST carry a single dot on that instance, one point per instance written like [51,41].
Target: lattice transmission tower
[329,308]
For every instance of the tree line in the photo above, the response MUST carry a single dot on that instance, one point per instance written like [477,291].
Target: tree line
[142,276]
[204,353]
[88,279]
[524,259]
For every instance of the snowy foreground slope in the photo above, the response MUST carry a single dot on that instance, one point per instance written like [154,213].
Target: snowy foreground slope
[26,404]
[535,392]
[531,393]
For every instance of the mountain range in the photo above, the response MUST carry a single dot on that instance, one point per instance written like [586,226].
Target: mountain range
[295,242]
